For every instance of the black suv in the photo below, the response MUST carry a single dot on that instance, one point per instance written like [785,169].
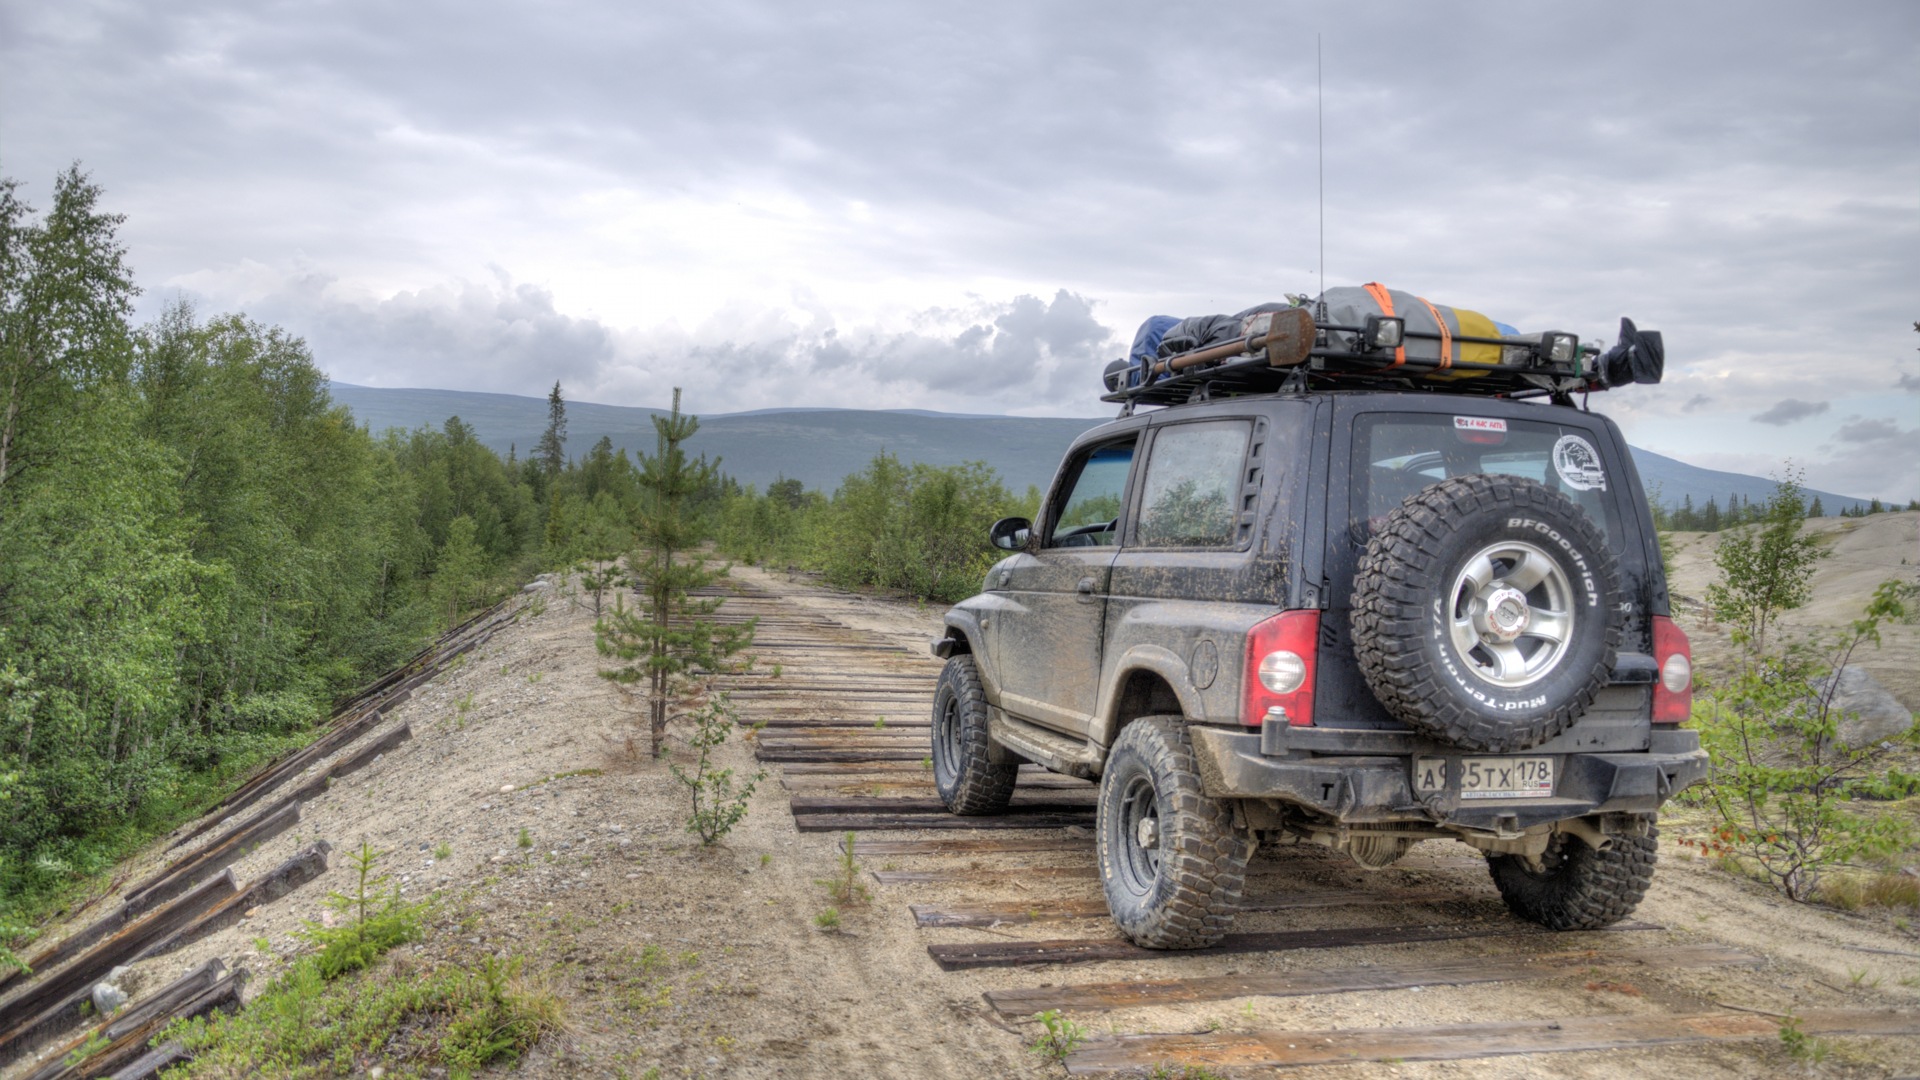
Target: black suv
[1360,618]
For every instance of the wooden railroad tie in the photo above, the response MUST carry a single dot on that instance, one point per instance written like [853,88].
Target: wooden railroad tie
[1024,802]
[963,957]
[1452,1042]
[1100,997]
[874,822]
[986,845]
[1006,914]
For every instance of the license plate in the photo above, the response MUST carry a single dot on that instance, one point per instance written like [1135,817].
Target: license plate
[1485,777]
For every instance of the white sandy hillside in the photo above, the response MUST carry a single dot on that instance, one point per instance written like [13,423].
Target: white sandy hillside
[1861,553]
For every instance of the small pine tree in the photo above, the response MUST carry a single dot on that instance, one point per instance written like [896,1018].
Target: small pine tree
[1710,517]
[551,450]
[668,639]
[1874,507]
[1817,510]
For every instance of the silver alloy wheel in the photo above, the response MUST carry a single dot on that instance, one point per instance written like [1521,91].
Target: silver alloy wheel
[1512,614]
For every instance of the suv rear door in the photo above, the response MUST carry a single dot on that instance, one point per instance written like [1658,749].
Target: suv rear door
[1388,447]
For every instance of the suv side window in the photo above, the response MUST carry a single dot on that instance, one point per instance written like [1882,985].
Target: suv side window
[1090,514]
[1403,454]
[1192,485]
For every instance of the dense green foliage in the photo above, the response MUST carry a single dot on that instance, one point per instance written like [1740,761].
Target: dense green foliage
[199,552]
[921,529]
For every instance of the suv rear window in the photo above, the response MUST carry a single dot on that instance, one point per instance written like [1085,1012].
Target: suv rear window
[1405,453]
[1193,478]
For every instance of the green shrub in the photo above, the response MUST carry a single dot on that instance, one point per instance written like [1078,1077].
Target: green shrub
[376,920]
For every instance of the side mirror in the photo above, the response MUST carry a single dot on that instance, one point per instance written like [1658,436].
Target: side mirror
[1010,533]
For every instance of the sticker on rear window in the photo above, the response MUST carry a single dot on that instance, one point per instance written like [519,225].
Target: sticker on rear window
[1578,465]
[1479,423]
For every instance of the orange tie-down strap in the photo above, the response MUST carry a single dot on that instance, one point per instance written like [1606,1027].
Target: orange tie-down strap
[1385,300]
[1446,335]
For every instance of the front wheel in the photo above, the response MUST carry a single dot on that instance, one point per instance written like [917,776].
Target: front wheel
[968,782]
[1171,862]
[1577,887]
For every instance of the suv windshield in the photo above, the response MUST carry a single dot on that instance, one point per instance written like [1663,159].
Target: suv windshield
[1405,453]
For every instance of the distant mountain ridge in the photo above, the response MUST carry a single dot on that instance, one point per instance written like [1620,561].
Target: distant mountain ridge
[821,446]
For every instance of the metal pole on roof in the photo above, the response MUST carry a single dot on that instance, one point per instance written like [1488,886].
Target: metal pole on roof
[1320,132]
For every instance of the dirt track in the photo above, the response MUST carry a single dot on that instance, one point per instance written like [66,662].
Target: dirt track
[708,963]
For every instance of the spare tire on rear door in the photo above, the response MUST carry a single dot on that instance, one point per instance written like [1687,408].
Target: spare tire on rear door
[1484,612]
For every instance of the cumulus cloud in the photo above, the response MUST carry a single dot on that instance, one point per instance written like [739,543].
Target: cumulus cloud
[1909,382]
[1791,410]
[1014,355]
[936,181]
[480,335]
[1857,430]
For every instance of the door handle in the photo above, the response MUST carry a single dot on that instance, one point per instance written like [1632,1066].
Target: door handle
[1085,586]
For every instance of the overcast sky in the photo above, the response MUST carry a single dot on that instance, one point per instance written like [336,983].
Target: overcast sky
[969,207]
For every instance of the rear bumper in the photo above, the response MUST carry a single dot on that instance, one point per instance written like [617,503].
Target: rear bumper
[1356,789]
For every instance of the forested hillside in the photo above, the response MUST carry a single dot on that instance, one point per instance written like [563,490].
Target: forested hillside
[199,550]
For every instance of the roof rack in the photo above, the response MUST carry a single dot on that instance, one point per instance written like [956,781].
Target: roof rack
[1295,354]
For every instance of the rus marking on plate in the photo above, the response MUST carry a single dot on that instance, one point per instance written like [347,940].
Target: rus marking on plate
[1486,777]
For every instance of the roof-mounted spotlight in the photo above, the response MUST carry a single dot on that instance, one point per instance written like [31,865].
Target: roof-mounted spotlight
[1383,332]
[1557,349]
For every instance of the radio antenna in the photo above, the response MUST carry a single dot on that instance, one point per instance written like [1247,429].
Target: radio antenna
[1320,131]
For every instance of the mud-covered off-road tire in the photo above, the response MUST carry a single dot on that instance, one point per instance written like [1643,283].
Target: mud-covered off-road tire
[1580,888]
[1440,667]
[968,783]
[1183,891]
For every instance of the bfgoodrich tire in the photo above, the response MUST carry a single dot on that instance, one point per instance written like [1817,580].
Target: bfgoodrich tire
[1171,862]
[968,783]
[1484,612]
[1579,888]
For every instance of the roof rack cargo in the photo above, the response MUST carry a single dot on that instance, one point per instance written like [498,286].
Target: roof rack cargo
[1287,350]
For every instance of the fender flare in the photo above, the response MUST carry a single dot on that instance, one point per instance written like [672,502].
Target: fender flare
[1170,666]
[965,624]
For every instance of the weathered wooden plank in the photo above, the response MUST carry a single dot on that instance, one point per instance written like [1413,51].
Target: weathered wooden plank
[124,1037]
[214,857]
[153,1062]
[1034,801]
[1099,997]
[782,755]
[962,957]
[51,1004]
[306,864]
[854,784]
[993,845]
[783,724]
[1449,1042]
[833,768]
[853,741]
[874,822]
[264,784]
[996,874]
[1012,913]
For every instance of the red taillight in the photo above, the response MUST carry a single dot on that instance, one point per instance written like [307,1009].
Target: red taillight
[1279,669]
[1673,686]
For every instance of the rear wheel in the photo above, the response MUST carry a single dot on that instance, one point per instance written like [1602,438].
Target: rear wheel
[1577,887]
[1171,862]
[967,781]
